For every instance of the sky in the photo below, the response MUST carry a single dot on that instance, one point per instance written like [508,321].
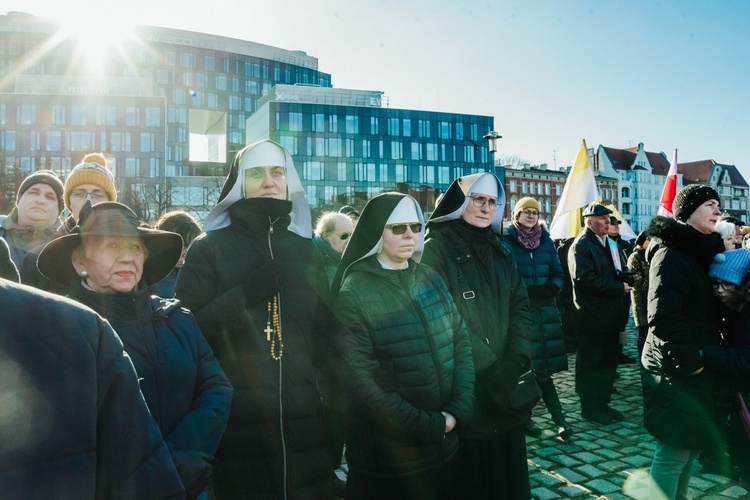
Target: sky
[670,73]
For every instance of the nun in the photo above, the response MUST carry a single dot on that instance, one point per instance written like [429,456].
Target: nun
[257,286]
[463,246]
[408,375]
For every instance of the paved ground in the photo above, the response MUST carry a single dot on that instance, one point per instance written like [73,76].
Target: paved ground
[605,461]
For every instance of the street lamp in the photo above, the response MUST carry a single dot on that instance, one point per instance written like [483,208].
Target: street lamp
[492,137]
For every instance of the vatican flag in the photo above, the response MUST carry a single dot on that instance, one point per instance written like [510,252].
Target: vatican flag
[580,190]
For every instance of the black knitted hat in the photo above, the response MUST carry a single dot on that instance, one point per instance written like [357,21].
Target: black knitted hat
[690,198]
[47,177]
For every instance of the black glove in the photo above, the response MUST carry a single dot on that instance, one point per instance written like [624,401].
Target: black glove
[261,285]
[502,376]
[194,470]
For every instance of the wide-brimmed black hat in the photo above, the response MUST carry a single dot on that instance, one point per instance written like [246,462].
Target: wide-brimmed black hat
[110,218]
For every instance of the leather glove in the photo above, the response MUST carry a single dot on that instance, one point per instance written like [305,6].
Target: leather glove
[535,291]
[261,285]
[502,376]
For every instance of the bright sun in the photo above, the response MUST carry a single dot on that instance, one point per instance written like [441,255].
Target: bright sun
[97,33]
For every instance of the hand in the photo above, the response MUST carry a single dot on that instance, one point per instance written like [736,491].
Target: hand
[450,421]
[502,376]
[628,288]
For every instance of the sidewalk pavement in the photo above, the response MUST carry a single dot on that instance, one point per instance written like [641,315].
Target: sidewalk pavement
[605,461]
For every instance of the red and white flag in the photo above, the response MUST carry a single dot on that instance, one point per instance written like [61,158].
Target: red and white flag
[670,190]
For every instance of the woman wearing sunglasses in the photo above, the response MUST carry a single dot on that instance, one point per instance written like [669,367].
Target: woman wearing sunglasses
[464,248]
[406,359]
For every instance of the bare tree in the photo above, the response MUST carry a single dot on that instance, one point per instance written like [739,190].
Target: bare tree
[513,161]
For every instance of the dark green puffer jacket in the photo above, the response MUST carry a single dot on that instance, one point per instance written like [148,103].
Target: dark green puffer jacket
[406,359]
[490,295]
[543,276]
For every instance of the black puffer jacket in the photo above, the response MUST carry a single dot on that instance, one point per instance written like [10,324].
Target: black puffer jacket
[543,276]
[276,443]
[682,409]
[407,358]
[490,295]
[181,380]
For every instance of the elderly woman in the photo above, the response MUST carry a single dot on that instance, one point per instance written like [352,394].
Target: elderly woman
[537,260]
[463,246]
[257,286]
[407,364]
[109,263]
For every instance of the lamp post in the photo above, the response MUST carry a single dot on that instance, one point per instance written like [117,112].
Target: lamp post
[492,137]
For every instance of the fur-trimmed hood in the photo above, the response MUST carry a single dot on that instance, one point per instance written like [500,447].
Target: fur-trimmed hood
[672,233]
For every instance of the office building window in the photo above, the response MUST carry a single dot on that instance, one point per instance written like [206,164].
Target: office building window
[318,122]
[397,150]
[209,63]
[432,151]
[341,167]
[424,128]
[154,167]
[106,116]
[393,128]
[313,170]
[77,115]
[513,185]
[444,131]
[334,147]
[401,173]
[558,190]
[8,140]
[221,82]
[80,141]
[546,188]
[531,188]
[416,151]
[350,148]
[162,76]
[53,140]
[426,175]
[359,171]
[407,127]
[383,172]
[524,187]
[374,125]
[295,122]
[320,146]
[459,131]
[352,124]
[474,132]
[333,124]
[58,114]
[444,175]
[289,143]
[132,167]
[469,153]
[201,80]
[370,172]
[366,148]
[132,117]
[147,142]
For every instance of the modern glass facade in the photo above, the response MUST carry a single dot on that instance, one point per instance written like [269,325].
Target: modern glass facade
[352,150]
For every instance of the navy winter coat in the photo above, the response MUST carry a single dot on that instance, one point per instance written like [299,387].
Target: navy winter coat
[73,423]
[543,276]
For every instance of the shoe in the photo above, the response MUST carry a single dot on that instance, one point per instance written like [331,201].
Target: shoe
[564,431]
[619,417]
[624,360]
[532,429]
[598,416]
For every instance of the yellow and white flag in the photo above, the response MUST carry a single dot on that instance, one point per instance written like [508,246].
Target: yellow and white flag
[580,190]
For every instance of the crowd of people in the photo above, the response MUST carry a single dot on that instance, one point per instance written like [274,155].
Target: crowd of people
[246,357]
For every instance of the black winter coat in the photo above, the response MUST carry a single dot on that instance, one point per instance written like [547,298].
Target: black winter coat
[276,444]
[543,276]
[181,380]
[406,358]
[490,296]
[79,427]
[680,408]
[597,294]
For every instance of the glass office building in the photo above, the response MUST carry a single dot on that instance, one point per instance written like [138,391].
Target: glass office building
[347,147]
[169,108]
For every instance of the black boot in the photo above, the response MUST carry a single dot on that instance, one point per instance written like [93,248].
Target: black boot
[564,430]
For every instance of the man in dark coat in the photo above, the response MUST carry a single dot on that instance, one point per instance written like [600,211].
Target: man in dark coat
[257,287]
[463,246]
[332,233]
[685,403]
[73,423]
[597,293]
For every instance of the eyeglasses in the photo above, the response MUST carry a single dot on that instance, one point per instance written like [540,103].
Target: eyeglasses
[344,236]
[96,195]
[479,202]
[723,286]
[530,213]
[401,228]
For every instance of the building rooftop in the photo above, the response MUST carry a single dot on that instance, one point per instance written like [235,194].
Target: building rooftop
[698,172]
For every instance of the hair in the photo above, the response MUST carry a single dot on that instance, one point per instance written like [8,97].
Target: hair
[641,238]
[327,223]
[724,228]
[180,222]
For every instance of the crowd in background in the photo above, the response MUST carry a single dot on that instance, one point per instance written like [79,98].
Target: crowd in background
[246,357]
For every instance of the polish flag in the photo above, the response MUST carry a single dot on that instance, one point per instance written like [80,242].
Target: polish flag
[670,190]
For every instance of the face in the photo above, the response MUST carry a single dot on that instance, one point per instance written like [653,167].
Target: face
[529,217]
[265,182]
[599,224]
[729,242]
[705,217]
[480,216]
[724,290]
[614,229]
[37,206]
[114,264]
[84,192]
[341,234]
[398,248]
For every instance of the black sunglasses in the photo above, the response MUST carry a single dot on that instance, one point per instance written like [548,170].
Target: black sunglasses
[344,236]
[401,228]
